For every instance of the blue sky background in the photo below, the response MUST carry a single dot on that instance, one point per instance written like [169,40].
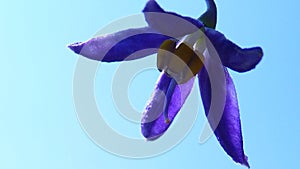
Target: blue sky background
[38,123]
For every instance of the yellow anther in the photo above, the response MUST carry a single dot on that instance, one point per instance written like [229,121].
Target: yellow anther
[164,54]
[181,63]
[196,63]
[183,54]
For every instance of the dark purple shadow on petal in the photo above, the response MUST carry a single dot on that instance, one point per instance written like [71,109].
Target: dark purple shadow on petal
[169,23]
[153,121]
[120,45]
[228,130]
[231,55]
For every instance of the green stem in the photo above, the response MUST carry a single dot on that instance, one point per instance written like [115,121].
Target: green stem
[209,17]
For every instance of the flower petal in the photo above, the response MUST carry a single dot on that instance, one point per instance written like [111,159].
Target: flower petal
[231,55]
[228,127]
[124,45]
[169,23]
[153,121]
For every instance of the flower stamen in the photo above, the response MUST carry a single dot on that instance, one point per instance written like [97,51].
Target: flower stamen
[169,95]
[180,62]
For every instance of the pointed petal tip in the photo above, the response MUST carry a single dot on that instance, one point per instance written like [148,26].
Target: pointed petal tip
[152,138]
[152,6]
[76,47]
[246,163]
[258,51]
[148,134]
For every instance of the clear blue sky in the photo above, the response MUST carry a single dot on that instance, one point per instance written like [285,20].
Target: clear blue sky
[38,124]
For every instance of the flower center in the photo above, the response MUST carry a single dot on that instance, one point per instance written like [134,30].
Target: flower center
[179,61]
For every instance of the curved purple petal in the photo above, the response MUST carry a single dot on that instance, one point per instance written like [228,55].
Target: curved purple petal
[231,55]
[153,121]
[124,45]
[228,130]
[169,23]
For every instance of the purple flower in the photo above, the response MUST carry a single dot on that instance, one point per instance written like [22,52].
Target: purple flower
[186,48]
